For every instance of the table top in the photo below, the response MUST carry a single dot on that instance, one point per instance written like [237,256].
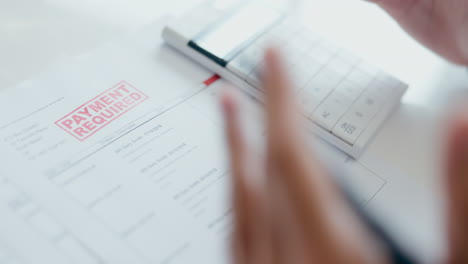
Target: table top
[36,33]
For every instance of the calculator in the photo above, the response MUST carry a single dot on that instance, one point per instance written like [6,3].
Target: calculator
[344,99]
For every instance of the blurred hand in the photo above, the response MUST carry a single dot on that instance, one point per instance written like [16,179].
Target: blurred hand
[288,211]
[457,189]
[441,25]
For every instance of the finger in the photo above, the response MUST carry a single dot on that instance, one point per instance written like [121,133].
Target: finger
[281,108]
[457,187]
[250,238]
[236,152]
[396,5]
[288,155]
[289,239]
[286,146]
[290,187]
[237,252]
[315,201]
[236,143]
[415,16]
[288,158]
[431,23]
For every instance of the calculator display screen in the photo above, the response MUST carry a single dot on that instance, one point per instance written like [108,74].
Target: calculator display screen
[231,34]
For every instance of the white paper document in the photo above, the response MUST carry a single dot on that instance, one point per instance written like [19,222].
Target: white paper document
[118,156]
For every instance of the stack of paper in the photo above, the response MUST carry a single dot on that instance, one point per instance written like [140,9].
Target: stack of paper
[118,156]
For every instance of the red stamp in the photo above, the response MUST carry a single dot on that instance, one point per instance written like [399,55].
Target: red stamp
[92,116]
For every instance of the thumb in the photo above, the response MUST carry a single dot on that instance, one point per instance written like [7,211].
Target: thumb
[395,4]
[402,9]
[457,189]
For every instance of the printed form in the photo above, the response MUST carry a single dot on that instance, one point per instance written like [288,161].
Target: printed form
[118,156]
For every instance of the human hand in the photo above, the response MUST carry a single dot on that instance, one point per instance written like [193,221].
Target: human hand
[457,189]
[286,209]
[441,25]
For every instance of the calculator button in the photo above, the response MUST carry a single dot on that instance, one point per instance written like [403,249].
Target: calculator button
[331,110]
[349,129]
[330,46]
[315,91]
[365,108]
[322,84]
[368,69]
[338,97]
[339,66]
[318,94]
[322,55]
[299,78]
[380,90]
[360,77]
[327,115]
[302,73]
[348,57]
[285,31]
[313,67]
[301,45]
[387,79]
[313,39]
[308,103]
[328,78]
[350,89]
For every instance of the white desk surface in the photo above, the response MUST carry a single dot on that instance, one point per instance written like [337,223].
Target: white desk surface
[35,33]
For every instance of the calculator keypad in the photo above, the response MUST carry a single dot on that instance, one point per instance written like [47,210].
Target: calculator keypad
[338,90]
